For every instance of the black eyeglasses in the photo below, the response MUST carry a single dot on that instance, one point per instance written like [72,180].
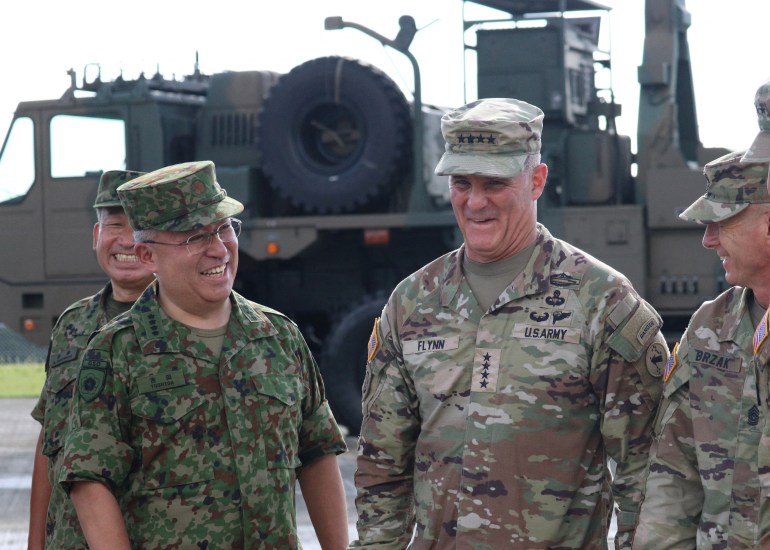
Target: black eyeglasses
[198,243]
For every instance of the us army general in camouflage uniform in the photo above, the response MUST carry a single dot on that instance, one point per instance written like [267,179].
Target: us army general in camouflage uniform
[53,522]
[760,152]
[703,490]
[197,410]
[504,375]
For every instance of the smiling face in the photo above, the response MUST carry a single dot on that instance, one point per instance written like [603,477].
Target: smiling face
[497,216]
[739,241]
[193,288]
[113,243]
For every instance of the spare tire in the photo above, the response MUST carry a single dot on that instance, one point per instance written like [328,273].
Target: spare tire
[334,134]
[343,361]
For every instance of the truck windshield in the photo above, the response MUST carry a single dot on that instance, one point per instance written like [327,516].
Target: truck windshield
[17,161]
[84,145]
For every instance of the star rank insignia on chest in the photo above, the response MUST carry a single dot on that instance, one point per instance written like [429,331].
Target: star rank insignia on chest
[486,367]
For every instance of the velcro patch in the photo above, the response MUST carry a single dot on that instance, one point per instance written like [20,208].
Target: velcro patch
[164,381]
[424,345]
[641,326]
[671,364]
[91,383]
[729,363]
[564,334]
[761,333]
[656,359]
[566,280]
[63,356]
[486,366]
[374,341]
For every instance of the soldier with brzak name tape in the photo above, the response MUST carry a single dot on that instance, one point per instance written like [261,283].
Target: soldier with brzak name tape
[759,151]
[197,410]
[703,488]
[53,522]
[504,375]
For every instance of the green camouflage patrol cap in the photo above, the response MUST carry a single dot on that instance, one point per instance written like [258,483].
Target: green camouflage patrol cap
[107,194]
[490,137]
[731,185]
[760,149]
[177,198]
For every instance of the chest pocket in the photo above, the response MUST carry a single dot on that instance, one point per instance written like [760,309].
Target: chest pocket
[278,413]
[59,387]
[170,431]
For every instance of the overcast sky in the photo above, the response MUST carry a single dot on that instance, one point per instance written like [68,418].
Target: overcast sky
[41,39]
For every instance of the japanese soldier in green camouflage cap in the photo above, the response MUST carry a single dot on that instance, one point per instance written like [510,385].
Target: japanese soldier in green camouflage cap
[107,192]
[503,375]
[177,198]
[709,420]
[53,520]
[199,410]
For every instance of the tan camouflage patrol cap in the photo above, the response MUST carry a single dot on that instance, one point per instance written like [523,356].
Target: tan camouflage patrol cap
[760,148]
[177,198]
[490,137]
[107,194]
[731,185]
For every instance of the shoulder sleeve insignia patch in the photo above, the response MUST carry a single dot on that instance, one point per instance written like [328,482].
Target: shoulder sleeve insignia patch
[92,375]
[91,383]
[374,341]
[671,364]
[656,358]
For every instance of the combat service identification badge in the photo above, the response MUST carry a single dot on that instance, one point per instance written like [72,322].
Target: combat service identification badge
[92,376]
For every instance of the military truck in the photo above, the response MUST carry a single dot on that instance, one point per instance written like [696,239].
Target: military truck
[335,167]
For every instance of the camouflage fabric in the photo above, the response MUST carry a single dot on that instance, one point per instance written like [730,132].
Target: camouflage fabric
[761,345]
[68,340]
[490,137]
[177,198]
[731,185]
[107,193]
[200,451]
[703,490]
[493,430]
[761,359]
[760,148]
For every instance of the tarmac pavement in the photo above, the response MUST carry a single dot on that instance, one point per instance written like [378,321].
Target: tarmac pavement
[18,436]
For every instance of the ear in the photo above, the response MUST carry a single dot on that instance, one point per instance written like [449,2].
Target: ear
[539,175]
[146,255]
[96,235]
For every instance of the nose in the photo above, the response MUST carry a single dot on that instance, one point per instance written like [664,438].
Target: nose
[216,246]
[126,238]
[477,197]
[711,236]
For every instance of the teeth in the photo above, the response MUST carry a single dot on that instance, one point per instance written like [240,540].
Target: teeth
[126,257]
[215,271]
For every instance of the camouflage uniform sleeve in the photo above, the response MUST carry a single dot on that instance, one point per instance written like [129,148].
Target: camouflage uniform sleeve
[38,413]
[673,498]
[319,435]
[389,432]
[96,447]
[628,363]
